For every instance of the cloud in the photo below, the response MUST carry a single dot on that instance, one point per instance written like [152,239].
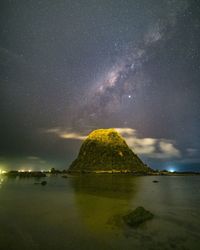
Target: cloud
[65,134]
[188,160]
[149,147]
[32,157]
[191,152]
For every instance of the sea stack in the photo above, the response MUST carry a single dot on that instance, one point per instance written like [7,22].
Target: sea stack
[105,151]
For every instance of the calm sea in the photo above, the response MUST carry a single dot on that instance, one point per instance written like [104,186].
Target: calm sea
[86,213]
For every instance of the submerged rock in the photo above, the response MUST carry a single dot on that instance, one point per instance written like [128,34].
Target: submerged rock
[137,217]
[64,176]
[103,151]
[155,181]
[43,183]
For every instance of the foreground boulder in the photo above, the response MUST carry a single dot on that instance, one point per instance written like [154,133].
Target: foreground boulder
[137,217]
[104,150]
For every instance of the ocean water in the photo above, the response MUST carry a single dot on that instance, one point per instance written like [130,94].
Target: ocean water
[86,213]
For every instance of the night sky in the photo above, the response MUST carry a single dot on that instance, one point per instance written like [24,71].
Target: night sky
[69,67]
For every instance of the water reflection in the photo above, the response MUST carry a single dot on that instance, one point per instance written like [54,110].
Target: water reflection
[1,181]
[101,200]
[112,186]
[83,212]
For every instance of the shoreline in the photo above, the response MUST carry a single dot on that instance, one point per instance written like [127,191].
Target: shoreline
[65,174]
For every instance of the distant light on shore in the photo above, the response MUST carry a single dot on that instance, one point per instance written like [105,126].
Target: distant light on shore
[172,170]
[2,171]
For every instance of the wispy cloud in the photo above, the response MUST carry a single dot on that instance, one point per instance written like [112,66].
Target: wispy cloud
[32,157]
[66,133]
[192,152]
[149,147]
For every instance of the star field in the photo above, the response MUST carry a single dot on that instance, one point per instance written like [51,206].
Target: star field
[68,67]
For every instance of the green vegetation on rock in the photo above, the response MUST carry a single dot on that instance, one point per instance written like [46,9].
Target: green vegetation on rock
[104,150]
[137,217]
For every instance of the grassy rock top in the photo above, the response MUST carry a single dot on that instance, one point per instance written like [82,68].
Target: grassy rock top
[107,136]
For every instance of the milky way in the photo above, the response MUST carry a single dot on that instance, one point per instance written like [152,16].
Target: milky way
[110,94]
[69,67]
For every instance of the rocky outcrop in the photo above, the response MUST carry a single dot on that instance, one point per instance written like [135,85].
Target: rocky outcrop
[104,150]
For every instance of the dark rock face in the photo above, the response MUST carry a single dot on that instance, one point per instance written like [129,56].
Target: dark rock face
[104,150]
[137,217]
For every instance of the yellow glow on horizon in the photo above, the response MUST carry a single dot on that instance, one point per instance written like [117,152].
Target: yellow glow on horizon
[21,170]
[2,171]
[2,168]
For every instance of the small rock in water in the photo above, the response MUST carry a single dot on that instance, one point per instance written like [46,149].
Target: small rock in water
[137,216]
[155,181]
[64,176]
[43,183]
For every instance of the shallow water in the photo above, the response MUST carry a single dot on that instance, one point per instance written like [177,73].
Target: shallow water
[85,213]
